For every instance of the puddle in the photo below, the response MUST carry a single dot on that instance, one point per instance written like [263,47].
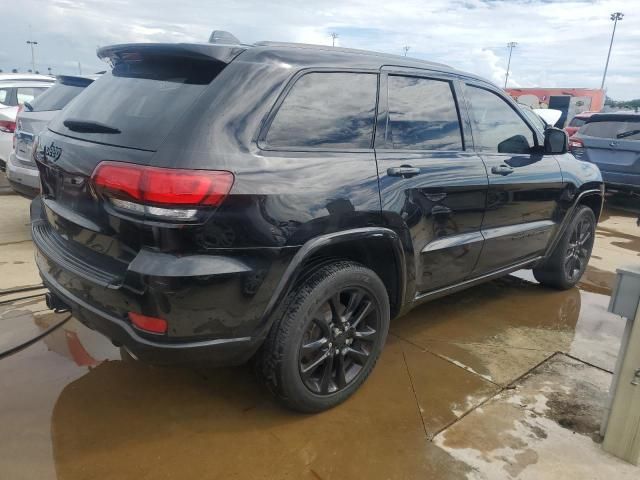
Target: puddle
[72,407]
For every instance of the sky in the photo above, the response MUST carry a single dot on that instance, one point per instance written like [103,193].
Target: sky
[559,43]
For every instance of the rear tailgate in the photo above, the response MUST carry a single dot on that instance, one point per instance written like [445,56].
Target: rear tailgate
[124,116]
[29,124]
[613,145]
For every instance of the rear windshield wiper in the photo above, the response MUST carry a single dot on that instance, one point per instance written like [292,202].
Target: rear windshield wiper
[627,134]
[84,126]
[28,106]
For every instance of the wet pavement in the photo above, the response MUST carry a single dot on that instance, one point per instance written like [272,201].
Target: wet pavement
[468,386]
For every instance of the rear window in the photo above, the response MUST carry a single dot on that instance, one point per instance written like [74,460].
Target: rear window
[577,122]
[143,97]
[56,97]
[28,94]
[625,130]
[327,110]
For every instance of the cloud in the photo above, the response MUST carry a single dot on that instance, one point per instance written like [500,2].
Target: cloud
[560,43]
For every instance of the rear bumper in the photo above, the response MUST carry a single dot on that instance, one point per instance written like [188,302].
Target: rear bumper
[216,352]
[25,181]
[214,305]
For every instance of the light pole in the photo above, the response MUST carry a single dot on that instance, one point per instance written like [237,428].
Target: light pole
[33,58]
[510,46]
[615,17]
[405,49]
[334,35]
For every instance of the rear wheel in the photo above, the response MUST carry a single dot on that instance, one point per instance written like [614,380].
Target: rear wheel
[564,268]
[328,340]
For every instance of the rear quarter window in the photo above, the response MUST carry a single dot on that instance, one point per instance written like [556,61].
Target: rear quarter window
[326,110]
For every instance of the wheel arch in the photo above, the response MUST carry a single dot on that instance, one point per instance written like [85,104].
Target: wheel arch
[369,246]
[592,198]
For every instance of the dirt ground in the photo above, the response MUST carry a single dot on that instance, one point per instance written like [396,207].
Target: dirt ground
[504,380]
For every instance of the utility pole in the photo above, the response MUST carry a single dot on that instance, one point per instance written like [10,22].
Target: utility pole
[510,46]
[334,35]
[406,49]
[33,58]
[79,68]
[614,17]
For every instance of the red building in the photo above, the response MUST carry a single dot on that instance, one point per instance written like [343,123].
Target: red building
[570,101]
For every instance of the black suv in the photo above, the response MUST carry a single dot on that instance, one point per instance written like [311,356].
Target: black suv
[282,202]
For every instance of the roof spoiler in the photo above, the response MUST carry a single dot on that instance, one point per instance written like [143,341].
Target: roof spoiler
[202,51]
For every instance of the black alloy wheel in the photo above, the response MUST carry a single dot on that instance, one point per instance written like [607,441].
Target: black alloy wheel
[339,340]
[579,249]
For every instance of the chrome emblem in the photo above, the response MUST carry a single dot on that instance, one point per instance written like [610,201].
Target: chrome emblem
[52,152]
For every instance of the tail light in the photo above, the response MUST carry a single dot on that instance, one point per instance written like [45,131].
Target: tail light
[20,108]
[575,143]
[7,126]
[160,192]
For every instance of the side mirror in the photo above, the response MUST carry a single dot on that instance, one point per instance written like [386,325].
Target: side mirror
[556,141]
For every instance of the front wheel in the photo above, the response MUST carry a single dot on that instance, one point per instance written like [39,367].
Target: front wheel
[329,338]
[566,265]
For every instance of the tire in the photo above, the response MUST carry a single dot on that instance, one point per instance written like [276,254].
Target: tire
[568,261]
[342,297]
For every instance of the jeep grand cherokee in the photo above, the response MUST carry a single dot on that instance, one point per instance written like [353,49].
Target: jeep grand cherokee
[283,202]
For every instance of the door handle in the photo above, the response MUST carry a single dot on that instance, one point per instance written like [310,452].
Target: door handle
[502,170]
[405,171]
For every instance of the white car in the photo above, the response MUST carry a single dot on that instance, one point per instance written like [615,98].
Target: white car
[15,89]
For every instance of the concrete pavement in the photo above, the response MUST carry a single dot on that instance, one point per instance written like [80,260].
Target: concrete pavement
[504,380]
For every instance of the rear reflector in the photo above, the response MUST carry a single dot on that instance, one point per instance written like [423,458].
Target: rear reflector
[163,187]
[149,324]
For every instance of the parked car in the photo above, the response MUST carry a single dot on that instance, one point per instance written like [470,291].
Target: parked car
[576,122]
[283,202]
[21,169]
[611,141]
[15,89]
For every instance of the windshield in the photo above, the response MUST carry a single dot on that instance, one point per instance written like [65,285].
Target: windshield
[535,118]
[141,98]
[626,130]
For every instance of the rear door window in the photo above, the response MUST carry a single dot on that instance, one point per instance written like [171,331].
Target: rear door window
[625,130]
[497,126]
[422,114]
[143,97]
[326,110]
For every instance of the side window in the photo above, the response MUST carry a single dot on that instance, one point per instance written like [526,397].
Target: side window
[497,127]
[331,110]
[422,114]
[4,95]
